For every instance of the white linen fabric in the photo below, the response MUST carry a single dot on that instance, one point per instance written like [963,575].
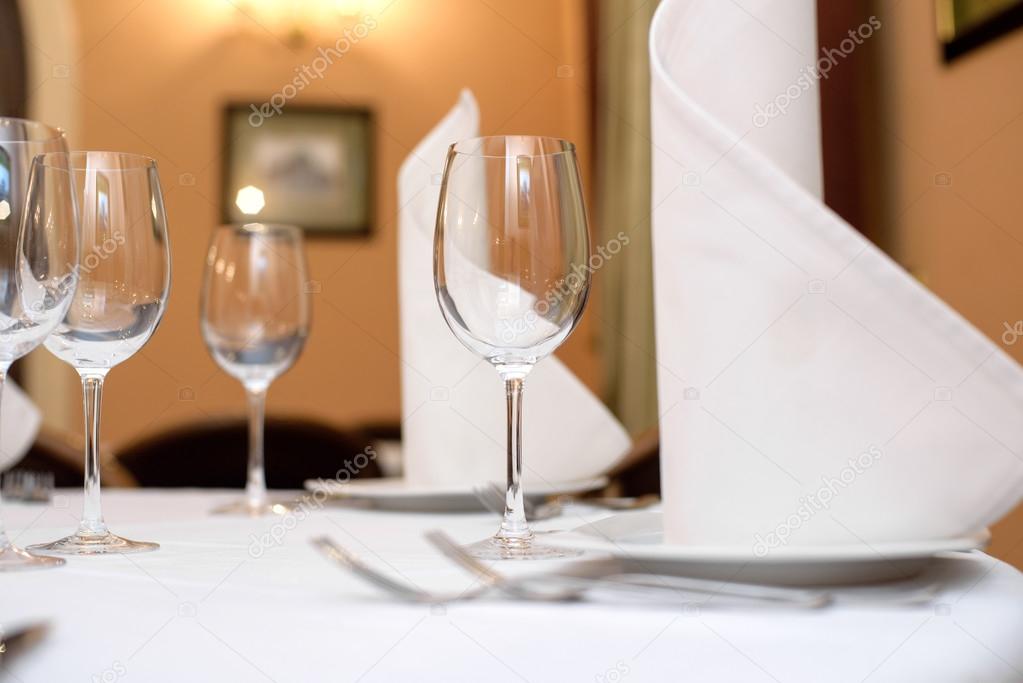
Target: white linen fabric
[19,424]
[231,599]
[453,414]
[811,390]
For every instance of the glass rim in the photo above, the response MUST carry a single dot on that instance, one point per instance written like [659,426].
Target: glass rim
[53,132]
[567,147]
[259,228]
[83,160]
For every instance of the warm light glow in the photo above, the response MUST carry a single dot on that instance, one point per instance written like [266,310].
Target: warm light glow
[302,22]
[5,210]
[308,12]
[250,200]
[349,8]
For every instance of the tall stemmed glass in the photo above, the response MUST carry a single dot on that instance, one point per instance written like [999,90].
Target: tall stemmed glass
[511,268]
[38,261]
[255,320]
[123,283]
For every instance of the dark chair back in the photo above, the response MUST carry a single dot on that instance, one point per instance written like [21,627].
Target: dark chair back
[639,472]
[214,454]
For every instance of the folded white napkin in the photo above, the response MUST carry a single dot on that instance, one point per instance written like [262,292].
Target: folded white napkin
[811,390]
[19,423]
[453,404]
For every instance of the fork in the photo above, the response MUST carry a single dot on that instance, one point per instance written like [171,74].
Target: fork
[648,585]
[918,592]
[492,497]
[553,587]
[406,591]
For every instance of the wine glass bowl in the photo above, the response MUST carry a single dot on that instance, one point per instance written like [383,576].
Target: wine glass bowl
[124,274]
[511,269]
[21,141]
[254,316]
[123,281]
[512,247]
[38,260]
[40,265]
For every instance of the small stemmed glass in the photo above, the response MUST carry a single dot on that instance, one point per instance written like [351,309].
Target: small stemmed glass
[511,268]
[38,261]
[123,284]
[255,320]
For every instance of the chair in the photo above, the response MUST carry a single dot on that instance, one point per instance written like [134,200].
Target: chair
[639,472]
[57,454]
[213,454]
[63,456]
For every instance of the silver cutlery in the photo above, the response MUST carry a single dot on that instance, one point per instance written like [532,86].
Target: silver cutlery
[648,585]
[406,591]
[492,497]
[559,587]
[19,640]
[905,593]
[593,577]
[27,486]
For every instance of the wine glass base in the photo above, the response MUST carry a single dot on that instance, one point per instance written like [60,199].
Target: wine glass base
[94,544]
[14,559]
[496,548]
[247,509]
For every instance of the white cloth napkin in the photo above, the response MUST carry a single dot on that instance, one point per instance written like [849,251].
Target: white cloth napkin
[811,390]
[453,404]
[19,423]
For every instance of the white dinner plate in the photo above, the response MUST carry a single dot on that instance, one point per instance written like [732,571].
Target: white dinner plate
[637,539]
[393,493]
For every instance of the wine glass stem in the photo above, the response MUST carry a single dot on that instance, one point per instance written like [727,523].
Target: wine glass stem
[92,513]
[514,527]
[4,541]
[255,487]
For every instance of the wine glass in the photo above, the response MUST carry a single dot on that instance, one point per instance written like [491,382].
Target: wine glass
[255,320]
[123,282]
[38,261]
[511,269]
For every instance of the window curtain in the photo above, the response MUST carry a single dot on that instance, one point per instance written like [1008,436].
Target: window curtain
[622,208]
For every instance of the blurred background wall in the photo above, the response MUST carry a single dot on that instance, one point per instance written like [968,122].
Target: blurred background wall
[947,178]
[923,156]
[152,77]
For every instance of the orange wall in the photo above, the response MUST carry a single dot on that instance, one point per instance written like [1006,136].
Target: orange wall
[152,78]
[964,239]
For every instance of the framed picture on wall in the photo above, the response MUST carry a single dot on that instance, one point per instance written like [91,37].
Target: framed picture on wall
[307,166]
[966,24]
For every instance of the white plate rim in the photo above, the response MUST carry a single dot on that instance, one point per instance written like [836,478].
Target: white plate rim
[399,488]
[852,552]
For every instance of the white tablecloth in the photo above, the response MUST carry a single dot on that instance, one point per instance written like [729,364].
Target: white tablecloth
[205,607]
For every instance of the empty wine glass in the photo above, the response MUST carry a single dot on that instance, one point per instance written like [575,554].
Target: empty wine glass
[38,260]
[255,320]
[511,268]
[123,282]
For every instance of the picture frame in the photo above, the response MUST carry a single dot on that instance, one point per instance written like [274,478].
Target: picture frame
[963,25]
[310,166]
